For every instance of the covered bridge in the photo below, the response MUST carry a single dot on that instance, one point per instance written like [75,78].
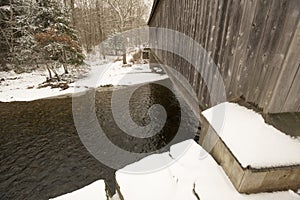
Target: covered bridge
[255,46]
[254,43]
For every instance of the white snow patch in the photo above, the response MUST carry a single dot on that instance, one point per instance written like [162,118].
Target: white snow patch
[95,191]
[100,75]
[115,74]
[115,197]
[251,140]
[5,7]
[186,179]
[16,87]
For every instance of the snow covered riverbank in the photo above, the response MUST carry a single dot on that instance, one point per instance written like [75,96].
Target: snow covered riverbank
[24,87]
[188,178]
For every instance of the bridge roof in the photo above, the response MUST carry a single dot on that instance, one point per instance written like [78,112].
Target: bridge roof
[155,3]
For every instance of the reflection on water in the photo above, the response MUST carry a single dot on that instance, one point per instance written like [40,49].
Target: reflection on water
[139,105]
[42,155]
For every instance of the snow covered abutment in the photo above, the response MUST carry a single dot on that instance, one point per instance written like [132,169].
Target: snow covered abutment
[256,156]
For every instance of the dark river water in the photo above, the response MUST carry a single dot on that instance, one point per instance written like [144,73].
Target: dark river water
[42,155]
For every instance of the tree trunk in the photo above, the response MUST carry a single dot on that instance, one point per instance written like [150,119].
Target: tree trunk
[124,59]
[65,3]
[65,69]
[55,73]
[49,71]
[99,13]
[64,62]
[11,26]
[73,13]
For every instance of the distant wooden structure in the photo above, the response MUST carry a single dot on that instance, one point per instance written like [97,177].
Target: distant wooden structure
[146,53]
[255,44]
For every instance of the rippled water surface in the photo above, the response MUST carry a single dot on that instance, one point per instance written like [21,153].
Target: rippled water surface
[43,157]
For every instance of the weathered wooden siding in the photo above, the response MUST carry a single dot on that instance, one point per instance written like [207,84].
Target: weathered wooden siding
[255,44]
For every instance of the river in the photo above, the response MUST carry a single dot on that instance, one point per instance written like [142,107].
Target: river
[42,155]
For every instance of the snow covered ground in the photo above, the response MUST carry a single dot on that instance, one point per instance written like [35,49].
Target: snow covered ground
[23,87]
[251,140]
[189,178]
[94,191]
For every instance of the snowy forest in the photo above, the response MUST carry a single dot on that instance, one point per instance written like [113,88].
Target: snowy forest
[60,33]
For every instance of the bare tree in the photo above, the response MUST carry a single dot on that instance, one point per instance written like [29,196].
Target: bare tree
[128,13]
[95,20]
[11,26]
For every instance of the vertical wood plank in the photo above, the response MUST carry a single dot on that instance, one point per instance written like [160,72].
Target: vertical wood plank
[201,40]
[267,47]
[288,69]
[276,62]
[249,9]
[230,44]
[220,49]
[197,37]
[292,101]
[254,45]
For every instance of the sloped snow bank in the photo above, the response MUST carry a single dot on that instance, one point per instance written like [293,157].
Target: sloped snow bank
[189,178]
